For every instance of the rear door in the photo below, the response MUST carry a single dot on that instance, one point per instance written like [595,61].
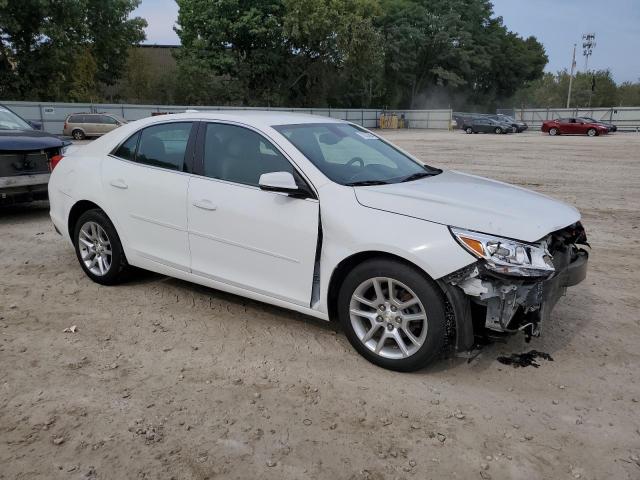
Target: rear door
[146,181]
[244,236]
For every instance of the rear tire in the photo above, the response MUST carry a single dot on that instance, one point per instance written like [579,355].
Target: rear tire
[98,248]
[78,134]
[554,132]
[469,130]
[402,331]
[592,132]
[498,130]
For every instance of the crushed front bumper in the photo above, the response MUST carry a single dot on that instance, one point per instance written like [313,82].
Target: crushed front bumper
[484,300]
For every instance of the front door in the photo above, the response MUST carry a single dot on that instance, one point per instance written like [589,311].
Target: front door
[147,191]
[244,236]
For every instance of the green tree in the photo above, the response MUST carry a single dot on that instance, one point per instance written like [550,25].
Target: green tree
[589,89]
[40,40]
[83,85]
[336,49]
[456,49]
[235,43]
[629,94]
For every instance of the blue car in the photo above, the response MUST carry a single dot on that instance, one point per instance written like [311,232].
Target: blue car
[25,158]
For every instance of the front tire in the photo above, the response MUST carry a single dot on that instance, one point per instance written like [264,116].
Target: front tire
[392,314]
[592,132]
[553,132]
[498,130]
[98,248]
[469,130]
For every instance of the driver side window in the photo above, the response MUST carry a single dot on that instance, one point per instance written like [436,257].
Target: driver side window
[239,155]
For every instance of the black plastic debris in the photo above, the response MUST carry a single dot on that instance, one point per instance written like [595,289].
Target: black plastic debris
[517,360]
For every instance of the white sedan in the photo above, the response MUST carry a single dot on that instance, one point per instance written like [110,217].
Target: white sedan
[323,217]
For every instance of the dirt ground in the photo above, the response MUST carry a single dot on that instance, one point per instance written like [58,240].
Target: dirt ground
[164,379]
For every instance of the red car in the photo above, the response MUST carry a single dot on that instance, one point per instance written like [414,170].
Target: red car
[573,126]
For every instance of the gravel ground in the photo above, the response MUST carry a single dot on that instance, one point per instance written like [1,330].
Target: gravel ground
[164,379]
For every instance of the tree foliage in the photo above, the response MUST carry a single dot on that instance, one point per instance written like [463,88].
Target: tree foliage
[589,89]
[50,48]
[398,53]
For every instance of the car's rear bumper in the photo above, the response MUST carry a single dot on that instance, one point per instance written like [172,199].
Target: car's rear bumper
[23,188]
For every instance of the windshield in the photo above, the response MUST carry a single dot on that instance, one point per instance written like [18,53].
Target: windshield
[349,155]
[10,121]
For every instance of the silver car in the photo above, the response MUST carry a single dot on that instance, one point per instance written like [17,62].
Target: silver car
[82,125]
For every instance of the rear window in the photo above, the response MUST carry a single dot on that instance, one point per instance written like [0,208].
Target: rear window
[127,150]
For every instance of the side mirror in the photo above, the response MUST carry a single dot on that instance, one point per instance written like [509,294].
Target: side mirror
[279,182]
[35,125]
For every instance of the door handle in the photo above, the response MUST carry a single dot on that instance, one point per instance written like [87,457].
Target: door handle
[119,183]
[205,205]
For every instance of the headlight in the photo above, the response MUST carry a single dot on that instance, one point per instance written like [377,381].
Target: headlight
[507,256]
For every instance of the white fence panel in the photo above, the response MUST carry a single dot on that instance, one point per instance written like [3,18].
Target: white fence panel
[53,114]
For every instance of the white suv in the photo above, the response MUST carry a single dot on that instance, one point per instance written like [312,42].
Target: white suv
[323,217]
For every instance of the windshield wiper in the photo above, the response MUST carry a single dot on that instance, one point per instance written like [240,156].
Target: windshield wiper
[419,175]
[365,183]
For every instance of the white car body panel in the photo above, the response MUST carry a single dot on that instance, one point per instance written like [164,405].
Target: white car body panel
[476,203]
[248,237]
[261,244]
[151,206]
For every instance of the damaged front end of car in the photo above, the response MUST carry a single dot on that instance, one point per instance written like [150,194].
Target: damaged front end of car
[514,285]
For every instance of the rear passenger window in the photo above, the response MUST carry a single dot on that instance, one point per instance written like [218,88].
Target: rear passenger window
[164,145]
[127,150]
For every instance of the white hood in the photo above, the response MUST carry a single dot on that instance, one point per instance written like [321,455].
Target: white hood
[475,203]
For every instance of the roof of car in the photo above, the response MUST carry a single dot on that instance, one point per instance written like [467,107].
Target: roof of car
[258,118]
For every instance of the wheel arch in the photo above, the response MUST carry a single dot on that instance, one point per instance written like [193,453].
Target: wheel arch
[461,328]
[77,210]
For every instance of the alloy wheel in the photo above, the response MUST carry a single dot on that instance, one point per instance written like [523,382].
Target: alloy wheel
[388,318]
[95,248]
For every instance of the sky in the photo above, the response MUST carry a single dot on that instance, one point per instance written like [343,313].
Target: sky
[558,24]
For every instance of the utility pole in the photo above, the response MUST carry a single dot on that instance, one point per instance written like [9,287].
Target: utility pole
[573,67]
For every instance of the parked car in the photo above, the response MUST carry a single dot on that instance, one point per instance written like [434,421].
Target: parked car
[573,126]
[610,126]
[82,125]
[323,217]
[486,125]
[25,158]
[518,127]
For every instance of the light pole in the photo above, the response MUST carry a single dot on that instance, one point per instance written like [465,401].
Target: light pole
[573,67]
[588,44]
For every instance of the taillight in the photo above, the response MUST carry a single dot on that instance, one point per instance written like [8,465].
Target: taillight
[65,126]
[55,160]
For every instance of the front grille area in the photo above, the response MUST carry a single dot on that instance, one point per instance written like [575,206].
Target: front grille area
[25,163]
